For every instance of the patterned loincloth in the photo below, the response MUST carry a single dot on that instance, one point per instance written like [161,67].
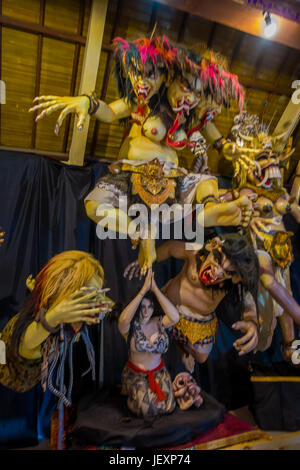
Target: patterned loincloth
[140,182]
[144,399]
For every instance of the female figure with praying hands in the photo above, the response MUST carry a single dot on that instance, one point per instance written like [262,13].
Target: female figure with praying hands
[145,379]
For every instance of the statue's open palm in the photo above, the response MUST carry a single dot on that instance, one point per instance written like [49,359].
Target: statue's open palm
[68,104]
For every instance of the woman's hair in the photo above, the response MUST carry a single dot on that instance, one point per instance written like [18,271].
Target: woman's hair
[60,277]
[239,251]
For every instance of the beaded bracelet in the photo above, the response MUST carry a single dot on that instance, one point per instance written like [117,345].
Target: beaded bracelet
[41,318]
[94,102]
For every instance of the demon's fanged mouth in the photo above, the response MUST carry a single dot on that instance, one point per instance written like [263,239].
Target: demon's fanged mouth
[207,276]
[269,174]
[143,92]
[184,106]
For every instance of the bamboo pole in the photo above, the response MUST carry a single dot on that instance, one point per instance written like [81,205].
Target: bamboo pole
[89,75]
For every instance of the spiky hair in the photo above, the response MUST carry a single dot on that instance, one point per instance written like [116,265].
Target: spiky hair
[212,71]
[156,51]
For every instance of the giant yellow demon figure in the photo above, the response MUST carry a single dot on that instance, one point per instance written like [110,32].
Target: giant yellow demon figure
[259,160]
[165,94]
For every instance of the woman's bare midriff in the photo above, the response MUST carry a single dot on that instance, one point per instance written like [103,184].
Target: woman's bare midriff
[145,360]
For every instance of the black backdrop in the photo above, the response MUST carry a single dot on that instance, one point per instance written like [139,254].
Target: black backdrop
[42,213]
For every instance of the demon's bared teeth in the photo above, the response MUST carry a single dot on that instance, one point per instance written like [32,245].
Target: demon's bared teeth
[264,179]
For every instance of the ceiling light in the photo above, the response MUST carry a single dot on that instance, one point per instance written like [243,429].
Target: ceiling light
[271,25]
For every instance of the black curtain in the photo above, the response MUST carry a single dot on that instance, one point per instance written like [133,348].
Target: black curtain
[42,213]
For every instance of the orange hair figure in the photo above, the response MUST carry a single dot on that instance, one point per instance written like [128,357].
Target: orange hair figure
[63,274]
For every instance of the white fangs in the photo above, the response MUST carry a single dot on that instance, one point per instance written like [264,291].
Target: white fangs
[143,91]
[271,172]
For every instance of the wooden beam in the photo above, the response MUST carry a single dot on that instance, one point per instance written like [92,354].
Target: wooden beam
[182,28]
[38,70]
[237,47]
[54,155]
[263,47]
[38,29]
[152,18]
[108,67]
[240,17]
[89,75]
[289,119]
[74,71]
[212,35]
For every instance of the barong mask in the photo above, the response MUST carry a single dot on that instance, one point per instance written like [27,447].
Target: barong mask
[257,157]
[186,391]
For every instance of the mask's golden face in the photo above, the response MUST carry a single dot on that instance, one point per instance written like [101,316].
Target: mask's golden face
[270,171]
[183,93]
[146,81]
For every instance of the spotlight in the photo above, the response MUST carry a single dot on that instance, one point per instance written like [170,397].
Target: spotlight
[271,26]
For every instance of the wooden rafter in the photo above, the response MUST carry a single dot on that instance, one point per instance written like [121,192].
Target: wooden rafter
[39,29]
[109,64]
[38,69]
[89,75]
[212,35]
[237,48]
[74,70]
[152,18]
[183,25]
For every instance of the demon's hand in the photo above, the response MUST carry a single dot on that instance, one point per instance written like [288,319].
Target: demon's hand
[249,341]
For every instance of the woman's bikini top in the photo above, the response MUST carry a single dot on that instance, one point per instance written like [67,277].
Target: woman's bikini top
[142,344]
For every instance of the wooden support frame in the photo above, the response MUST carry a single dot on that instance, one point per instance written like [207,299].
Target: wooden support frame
[39,29]
[182,28]
[38,69]
[89,75]
[289,119]
[107,72]
[74,71]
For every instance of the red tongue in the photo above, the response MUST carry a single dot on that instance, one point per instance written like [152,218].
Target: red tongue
[205,277]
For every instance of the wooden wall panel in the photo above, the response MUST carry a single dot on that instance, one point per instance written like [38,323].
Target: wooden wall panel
[135,18]
[62,15]
[197,30]
[169,21]
[27,10]
[18,72]
[56,73]
[224,40]
[254,64]
[247,56]
[87,11]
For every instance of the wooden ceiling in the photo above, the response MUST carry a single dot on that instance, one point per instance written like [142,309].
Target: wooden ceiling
[42,46]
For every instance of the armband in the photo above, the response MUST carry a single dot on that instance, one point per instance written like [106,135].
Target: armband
[210,198]
[219,143]
[94,102]
[40,317]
